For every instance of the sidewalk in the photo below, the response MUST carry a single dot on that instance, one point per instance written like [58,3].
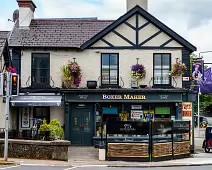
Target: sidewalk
[201,159]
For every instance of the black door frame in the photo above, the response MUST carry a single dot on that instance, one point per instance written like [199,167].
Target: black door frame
[82,106]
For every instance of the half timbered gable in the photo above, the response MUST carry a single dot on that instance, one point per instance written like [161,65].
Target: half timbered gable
[137,29]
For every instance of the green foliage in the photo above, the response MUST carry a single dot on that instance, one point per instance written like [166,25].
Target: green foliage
[56,131]
[205,101]
[44,127]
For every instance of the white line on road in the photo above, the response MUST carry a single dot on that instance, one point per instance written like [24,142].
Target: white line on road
[72,168]
[10,167]
[83,166]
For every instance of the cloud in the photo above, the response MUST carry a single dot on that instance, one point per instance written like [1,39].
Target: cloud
[194,12]
[192,19]
[104,9]
[5,24]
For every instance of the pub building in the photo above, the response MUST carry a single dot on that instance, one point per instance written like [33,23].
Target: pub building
[106,52]
[85,109]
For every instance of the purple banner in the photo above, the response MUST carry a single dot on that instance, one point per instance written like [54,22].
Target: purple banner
[198,71]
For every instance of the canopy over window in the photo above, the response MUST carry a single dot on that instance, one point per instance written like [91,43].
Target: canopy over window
[36,101]
[112,110]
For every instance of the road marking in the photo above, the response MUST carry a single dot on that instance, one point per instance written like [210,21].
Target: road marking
[83,166]
[72,168]
[10,167]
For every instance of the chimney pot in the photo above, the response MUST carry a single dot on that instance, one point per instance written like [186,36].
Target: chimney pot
[132,3]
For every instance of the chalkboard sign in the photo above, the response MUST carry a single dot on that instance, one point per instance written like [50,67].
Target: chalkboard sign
[127,127]
[159,128]
[181,127]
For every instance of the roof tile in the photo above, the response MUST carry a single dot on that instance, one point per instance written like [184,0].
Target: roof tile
[57,33]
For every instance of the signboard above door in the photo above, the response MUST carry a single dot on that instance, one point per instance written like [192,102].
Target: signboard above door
[136,107]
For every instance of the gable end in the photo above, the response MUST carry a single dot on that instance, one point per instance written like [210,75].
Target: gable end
[138,12]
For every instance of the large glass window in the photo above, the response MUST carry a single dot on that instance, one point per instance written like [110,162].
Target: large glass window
[162,67]
[41,68]
[110,69]
[41,113]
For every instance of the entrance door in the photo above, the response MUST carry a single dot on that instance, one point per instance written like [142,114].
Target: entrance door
[81,127]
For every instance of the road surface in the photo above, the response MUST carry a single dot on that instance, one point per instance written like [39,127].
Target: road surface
[101,168]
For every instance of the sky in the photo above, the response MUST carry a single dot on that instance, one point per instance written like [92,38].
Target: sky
[192,19]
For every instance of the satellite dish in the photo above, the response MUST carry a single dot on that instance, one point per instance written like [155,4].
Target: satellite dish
[15,15]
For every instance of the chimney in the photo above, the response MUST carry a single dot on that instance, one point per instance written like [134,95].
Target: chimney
[26,12]
[132,3]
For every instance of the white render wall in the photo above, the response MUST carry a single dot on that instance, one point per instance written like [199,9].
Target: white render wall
[58,113]
[2,113]
[12,118]
[90,62]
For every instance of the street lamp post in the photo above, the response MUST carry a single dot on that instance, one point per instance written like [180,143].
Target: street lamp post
[7,116]
[198,109]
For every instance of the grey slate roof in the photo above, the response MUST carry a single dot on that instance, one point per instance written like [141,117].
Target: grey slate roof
[57,33]
[3,35]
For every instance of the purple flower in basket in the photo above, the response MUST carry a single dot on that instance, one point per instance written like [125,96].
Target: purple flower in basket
[73,70]
[138,71]
[138,68]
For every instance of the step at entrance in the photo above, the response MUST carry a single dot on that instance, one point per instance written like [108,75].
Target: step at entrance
[83,154]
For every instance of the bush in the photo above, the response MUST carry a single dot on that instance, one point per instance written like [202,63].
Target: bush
[56,131]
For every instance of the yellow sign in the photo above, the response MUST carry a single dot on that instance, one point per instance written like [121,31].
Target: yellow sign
[149,112]
[124,116]
[123,97]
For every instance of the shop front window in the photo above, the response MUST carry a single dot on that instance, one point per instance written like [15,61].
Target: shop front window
[42,113]
[133,112]
[162,67]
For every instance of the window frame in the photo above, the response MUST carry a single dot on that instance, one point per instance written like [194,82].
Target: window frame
[33,69]
[115,85]
[42,117]
[170,63]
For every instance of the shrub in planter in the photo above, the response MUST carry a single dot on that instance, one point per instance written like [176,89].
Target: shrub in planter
[53,129]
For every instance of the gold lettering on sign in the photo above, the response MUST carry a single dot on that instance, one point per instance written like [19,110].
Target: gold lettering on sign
[125,97]
[104,96]
[134,97]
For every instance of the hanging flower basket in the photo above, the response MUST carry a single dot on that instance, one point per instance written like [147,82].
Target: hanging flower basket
[71,75]
[178,69]
[138,71]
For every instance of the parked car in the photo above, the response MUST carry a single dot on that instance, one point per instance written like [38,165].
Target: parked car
[203,121]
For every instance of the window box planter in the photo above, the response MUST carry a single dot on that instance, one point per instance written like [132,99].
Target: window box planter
[91,84]
[142,86]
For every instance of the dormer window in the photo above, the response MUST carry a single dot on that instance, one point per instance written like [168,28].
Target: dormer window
[110,70]
[162,67]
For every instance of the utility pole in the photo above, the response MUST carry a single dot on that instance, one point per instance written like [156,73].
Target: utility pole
[7,118]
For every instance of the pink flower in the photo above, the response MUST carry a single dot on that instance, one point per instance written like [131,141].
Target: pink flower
[69,61]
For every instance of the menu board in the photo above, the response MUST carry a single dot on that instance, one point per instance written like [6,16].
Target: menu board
[136,114]
[25,120]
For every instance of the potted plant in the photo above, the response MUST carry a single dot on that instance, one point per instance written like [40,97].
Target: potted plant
[53,130]
[71,75]
[138,72]
[178,69]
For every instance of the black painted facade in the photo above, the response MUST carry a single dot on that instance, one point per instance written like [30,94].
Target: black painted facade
[78,101]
